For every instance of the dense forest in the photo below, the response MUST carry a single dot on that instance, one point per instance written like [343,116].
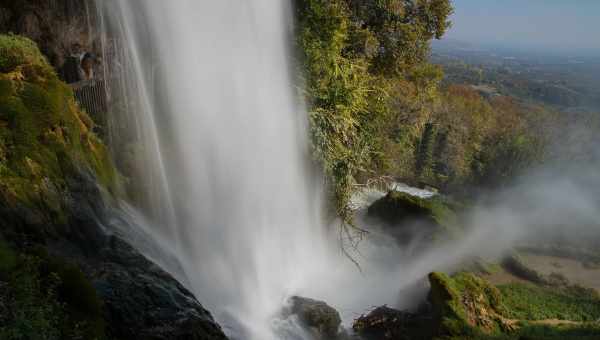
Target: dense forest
[379,107]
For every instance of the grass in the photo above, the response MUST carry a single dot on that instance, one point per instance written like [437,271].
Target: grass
[468,307]
[530,302]
[539,332]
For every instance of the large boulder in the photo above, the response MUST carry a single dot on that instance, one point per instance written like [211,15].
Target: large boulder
[409,217]
[144,302]
[466,304]
[398,207]
[322,320]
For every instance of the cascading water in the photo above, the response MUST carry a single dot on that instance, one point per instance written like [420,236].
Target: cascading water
[224,143]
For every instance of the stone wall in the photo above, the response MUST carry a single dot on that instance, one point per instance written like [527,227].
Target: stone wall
[59,27]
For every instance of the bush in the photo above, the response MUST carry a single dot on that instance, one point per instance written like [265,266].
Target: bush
[46,298]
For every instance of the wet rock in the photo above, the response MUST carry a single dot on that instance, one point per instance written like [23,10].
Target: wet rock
[318,317]
[144,302]
[56,26]
[397,207]
[388,323]
[411,219]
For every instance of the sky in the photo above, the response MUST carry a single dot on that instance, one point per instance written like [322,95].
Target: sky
[554,24]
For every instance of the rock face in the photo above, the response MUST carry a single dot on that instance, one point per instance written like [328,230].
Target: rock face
[141,301]
[318,317]
[57,26]
[466,304]
[388,323]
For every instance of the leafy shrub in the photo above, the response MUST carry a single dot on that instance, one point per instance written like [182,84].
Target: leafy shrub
[46,298]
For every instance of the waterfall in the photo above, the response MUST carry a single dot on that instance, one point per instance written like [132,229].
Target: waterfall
[206,122]
[218,141]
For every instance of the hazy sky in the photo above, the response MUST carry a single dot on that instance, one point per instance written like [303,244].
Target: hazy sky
[534,23]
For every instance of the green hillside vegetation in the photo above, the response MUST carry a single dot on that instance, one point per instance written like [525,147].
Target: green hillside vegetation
[377,106]
[352,53]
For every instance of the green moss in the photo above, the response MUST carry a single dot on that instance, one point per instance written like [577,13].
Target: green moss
[539,332]
[466,305]
[44,137]
[16,51]
[589,331]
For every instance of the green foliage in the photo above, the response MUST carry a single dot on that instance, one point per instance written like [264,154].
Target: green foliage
[45,298]
[427,149]
[402,30]
[530,302]
[456,140]
[468,307]
[589,331]
[351,54]
[31,310]
[343,96]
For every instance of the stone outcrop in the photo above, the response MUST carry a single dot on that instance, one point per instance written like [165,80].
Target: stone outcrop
[322,320]
[410,218]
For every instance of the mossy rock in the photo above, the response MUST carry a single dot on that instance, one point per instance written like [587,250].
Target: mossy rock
[318,316]
[466,305]
[433,216]
[45,138]
[397,207]
[16,51]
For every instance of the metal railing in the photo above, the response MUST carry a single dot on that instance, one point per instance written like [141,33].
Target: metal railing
[91,97]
